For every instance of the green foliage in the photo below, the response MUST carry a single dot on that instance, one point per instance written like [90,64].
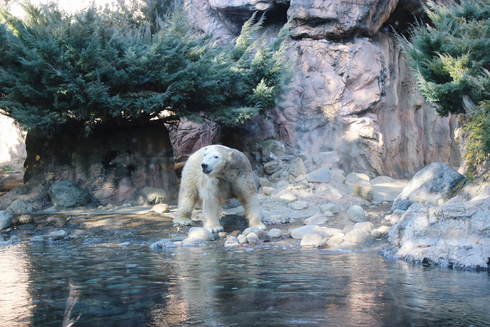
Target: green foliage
[450,56]
[103,66]
[477,129]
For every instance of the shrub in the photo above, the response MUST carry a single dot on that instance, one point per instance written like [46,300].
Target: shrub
[451,60]
[101,66]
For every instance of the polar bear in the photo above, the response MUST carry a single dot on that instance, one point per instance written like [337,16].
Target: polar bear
[214,174]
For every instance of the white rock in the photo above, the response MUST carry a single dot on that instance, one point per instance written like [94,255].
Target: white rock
[313,240]
[360,233]
[380,231]
[199,234]
[275,233]
[287,196]
[57,234]
[242,239]
[335,241]
[252,238]
[298,205]
[231,241]
[249,230]
[356,213]
[316,220]
[160,208]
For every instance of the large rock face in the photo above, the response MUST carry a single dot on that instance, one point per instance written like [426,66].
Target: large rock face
[350,85]
[320,19]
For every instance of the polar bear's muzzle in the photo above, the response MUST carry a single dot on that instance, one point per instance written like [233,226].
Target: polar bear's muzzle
[205,168]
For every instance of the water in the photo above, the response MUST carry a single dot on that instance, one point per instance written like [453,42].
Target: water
[108,276]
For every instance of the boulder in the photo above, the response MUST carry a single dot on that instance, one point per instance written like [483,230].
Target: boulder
[65,194]
[432,184]
[20,207]
[5,219]
[272,150]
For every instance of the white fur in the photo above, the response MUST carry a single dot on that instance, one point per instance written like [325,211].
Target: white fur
[214,174]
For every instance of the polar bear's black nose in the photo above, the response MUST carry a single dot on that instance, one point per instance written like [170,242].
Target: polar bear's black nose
[204,166]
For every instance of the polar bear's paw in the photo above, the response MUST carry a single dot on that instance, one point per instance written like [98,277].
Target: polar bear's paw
[182,222]
[258,225]
[214,229]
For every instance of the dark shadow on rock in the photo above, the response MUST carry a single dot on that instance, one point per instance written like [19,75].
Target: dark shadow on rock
[233,222]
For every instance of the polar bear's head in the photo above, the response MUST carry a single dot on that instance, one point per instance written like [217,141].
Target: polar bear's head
[213,161]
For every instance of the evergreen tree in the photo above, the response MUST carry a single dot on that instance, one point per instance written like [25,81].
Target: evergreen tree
[451,60]
[102,66]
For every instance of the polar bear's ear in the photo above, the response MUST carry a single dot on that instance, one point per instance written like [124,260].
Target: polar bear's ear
[235,161]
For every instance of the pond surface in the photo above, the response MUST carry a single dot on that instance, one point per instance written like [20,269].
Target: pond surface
[108,276]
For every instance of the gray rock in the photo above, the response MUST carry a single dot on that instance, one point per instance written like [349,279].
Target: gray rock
[356,213]
[20,207]
[297,167]
[153,195]
[275,233]
[329,207]
[65,194]
[57,234]
[321,175]
[299,232]
[5,219]
[432,184]
[298,205]
[272,167]
[313,240]
[272,150]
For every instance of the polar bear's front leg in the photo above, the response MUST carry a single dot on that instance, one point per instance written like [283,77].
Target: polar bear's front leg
[211,209]
[187,201]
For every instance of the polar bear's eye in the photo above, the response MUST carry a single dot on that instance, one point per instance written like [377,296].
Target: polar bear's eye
[215,157]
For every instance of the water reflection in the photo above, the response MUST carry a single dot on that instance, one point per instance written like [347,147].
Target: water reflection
[101,284]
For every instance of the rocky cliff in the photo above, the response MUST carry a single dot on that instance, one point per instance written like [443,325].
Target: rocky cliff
[351,90]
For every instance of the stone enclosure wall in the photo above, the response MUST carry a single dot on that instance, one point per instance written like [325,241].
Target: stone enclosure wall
[351,89]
